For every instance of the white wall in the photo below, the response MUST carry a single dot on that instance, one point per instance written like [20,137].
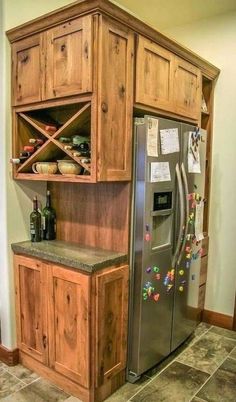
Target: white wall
[215,40]
[15,197]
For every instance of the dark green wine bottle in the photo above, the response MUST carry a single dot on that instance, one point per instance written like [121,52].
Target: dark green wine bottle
[49,220]
[35,222]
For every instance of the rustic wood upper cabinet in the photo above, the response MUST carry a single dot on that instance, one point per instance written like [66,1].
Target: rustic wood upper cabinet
[115,100]
[69,58]
[187,89]
[166,82]
[53,64]
[27,67]
[154,75]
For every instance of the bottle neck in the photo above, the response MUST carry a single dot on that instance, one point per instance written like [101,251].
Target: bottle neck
[48,201]
[35,204]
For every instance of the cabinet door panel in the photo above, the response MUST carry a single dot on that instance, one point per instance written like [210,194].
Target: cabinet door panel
[69,58]
[115,101]
[154,75]
[187,89]
[69,324]
[30,276]
[27,56]
[111,321]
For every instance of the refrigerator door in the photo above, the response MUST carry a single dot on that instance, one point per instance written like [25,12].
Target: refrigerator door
[152,249]
[186,312]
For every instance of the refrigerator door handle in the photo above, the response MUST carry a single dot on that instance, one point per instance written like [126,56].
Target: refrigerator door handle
[181,199]
[186,190]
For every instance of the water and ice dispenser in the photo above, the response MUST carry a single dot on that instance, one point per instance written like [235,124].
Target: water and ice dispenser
[162,216]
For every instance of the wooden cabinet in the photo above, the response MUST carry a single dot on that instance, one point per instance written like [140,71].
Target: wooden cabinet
[166,82]
[115,101]
[69,58]
[112,320]
[31,307]
[73,323]
[54,63]
[27,70]
[68,323]
[154,75]
[187,89]
[103,118]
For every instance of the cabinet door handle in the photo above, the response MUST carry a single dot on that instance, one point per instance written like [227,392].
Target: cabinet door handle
[44,341]
[104,107]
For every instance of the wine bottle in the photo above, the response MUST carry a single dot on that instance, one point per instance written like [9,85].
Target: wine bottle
[49,220]
[35,222]
[17,161]
[37,141]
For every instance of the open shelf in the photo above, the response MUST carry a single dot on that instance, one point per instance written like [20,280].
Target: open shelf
[54,125]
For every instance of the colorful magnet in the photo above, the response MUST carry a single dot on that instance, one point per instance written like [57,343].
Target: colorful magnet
[181,272]
[181,288]
[145,296]
[188,249]
[156,297]
[156,269]
[188,256]
[147,237]
[149,270]
[169,287]
[158,277]
[183,282]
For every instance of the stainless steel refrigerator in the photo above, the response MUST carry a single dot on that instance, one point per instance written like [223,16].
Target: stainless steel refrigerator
[167,204]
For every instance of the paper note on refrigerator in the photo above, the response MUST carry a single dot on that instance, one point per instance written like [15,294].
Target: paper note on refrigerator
[199,221]
[194,165]
[169,141]
[152,137]
[160,171]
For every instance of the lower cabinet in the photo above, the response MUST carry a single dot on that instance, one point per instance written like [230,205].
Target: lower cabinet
[73,325]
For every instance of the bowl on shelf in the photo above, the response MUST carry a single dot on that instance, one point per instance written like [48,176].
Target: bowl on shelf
[44,167]
[69,167]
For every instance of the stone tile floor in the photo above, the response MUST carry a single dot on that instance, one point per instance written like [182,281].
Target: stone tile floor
[201,370]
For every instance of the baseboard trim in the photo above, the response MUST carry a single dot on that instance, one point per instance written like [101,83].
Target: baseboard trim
[9,357]
[218,319]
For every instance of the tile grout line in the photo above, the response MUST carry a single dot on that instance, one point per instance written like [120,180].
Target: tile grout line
[151,379]
[211,375]
[189,365]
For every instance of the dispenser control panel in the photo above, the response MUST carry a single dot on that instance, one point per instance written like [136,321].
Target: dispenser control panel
[162,201]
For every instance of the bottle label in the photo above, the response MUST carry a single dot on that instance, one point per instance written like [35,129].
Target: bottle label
[43,222]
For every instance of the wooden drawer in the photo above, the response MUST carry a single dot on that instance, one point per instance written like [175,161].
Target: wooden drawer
[205,246]
[201,296]
[203,271]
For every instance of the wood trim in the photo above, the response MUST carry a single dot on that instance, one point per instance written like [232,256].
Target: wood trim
[234,318]
[218,319]
[61,381]
[83,7]
[8,356]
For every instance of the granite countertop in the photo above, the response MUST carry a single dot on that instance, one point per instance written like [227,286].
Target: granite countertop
[88,259]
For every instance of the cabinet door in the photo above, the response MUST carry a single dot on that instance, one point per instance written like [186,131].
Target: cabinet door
[68,320]
[111,322]
[31,307]
[187,89]
[115,101]
[69,58]
[27,81]
[154,75]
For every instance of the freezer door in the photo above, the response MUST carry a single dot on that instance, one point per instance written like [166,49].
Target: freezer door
[186,313]
[152,248]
